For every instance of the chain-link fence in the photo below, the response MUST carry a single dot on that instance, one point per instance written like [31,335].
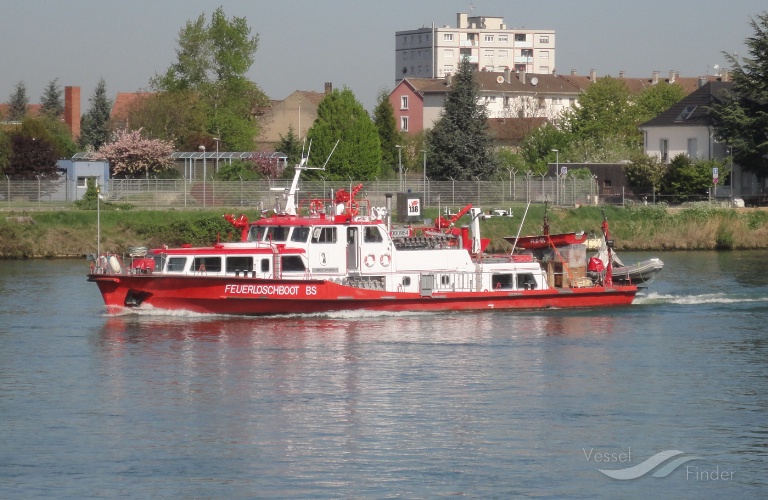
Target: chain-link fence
[266,194]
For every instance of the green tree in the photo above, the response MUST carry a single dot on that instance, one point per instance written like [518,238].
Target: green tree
[656,99]
[685,177]
[341,118]
[605,110]
[289,144]
[52,102]
[212,61]
[536,150]
[5,150]
[460,146]
[741,116]
[53,131]
[171,116]
[237,170]
[389,137]
[645,172]
[94,126]
[17,104]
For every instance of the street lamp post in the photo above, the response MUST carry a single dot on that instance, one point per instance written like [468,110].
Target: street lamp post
[217,153]
[400,165]
[557,173]
[205,172]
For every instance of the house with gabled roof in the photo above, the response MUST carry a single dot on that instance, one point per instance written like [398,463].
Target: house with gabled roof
[507,95]
[297,111]
[686,128]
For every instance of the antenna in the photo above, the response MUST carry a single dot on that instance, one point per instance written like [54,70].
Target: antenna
[330,154]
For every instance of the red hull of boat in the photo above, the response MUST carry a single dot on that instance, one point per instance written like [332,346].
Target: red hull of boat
[541,241]
[248,296]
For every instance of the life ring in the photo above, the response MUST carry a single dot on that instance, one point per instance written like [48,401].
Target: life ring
[385,259]
[315,206]
[370,259]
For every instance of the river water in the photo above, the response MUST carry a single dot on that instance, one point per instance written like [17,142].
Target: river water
[482,405]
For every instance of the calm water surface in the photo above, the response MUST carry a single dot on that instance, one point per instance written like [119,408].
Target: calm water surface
[484,405]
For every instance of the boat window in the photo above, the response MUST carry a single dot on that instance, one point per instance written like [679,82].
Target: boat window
[293,263]
[256,233]
[406,280]
[277,233]
[526,282]
[208,264]
[300,234]
[160,259]
[502,281]
[235,264]
[264,265]
[445,279]
[324,235]
[177,264]
[372,235]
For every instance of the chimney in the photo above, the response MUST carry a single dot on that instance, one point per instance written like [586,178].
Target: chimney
[521,76]
[328,88]
[72,110]
[672,76]
[448,79]
[592,75]
[654,78]
[621,74]
[702,81]
[507,75]
[573,72]
[461,20]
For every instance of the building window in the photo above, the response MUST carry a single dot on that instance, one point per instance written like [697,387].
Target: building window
[489,38]
[664,150]
[488,53]
[693,148]
[544,54]
[503,39]
[82,182]
[503,54]
[404,123]
[520,37]
[447,37]
[544,39]
[448,53]
[527,52]
[448,69]
[405,40]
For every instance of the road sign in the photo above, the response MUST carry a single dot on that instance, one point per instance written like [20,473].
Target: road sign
[715,175]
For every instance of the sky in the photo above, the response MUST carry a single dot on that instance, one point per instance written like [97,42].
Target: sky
[350,43]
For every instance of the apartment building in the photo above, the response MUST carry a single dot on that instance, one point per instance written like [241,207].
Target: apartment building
[433,52]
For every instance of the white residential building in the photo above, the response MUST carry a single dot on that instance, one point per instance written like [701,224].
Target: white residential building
[433,52]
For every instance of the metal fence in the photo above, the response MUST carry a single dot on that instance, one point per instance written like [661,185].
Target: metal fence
[266,194]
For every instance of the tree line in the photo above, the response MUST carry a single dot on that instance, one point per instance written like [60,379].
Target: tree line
[205,99]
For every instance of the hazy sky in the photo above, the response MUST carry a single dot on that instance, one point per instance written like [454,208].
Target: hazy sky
[304,43]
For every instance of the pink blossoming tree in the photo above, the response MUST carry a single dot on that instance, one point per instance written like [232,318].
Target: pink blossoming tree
[132,156]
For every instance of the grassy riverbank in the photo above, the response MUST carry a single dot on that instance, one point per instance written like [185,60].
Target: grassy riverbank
[73,233]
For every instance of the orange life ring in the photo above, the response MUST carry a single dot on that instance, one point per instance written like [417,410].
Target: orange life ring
[370,259]
[315,206]
[385,259]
